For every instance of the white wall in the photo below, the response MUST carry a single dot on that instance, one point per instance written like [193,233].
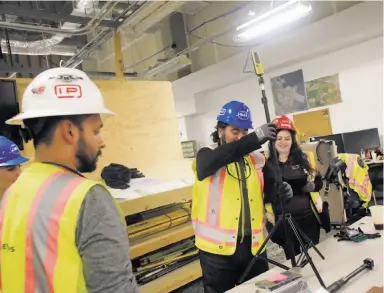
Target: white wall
[349,43]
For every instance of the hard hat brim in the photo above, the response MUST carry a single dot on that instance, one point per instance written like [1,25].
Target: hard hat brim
[18,119]
[15,162]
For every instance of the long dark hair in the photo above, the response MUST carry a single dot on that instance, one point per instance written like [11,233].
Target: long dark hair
[215,134]
[296,153]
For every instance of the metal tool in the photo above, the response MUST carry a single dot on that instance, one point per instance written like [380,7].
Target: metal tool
[368,264]
[285,219]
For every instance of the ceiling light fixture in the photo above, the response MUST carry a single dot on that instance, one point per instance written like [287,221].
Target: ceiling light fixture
[278,17]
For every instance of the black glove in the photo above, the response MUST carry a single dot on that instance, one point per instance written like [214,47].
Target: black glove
[284,192]
[309,187]
[266,132]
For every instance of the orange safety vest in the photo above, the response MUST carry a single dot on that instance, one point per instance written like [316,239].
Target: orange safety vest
[317,201]
[217,202]
[38,218]
[358,177]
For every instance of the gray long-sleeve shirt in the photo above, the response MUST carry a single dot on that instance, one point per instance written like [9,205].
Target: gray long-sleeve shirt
[102,242]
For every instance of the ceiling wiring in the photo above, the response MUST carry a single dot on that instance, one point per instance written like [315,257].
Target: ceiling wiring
[189,32]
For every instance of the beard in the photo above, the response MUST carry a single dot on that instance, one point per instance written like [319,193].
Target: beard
[86,163]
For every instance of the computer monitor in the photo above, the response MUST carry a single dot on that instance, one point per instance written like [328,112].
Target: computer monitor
[365,139]
[9,107]
[337,138]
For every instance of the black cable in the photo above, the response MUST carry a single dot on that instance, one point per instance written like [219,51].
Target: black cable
[218,17]
[195,28]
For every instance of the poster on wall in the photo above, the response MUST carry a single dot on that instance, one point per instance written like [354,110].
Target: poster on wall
[289,93]
[313,123]
[323,91]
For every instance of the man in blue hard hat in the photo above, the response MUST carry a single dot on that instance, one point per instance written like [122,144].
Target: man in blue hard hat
[233,181]
[10,161]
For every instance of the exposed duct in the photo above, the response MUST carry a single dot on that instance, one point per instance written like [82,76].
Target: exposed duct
[137,26]
[151,13]
[50,46]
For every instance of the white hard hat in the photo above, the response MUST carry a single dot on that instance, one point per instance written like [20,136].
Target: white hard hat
[60,92]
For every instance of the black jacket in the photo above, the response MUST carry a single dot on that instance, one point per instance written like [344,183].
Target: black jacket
[209,161]
[293,173]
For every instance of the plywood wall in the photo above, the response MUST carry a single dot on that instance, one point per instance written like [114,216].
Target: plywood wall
[144,133]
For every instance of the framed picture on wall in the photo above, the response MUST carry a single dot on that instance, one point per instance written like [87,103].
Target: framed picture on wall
[289,93]
[323,91]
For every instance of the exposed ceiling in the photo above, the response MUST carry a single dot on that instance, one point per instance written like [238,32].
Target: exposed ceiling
[184,35]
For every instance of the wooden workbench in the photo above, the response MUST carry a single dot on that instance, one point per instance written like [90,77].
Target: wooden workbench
[181,276]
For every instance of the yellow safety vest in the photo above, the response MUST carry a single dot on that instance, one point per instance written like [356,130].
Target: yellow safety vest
[358,177]
[317,201]
[217,202]
[38,218]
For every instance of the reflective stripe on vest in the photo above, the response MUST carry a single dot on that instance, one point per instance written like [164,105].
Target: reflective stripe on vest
[215,225]
[214,197]
[361,190]
[215,234]
[47,199]
[350,165]
[258,160]
[42,242]
[270,214]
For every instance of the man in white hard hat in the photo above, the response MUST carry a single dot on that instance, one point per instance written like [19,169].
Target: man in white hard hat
[61,232]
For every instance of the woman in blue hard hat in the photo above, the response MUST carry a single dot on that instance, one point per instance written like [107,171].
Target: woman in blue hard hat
[232,182]
[10,161]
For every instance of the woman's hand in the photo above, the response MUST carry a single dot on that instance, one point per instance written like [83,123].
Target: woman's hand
[309,187]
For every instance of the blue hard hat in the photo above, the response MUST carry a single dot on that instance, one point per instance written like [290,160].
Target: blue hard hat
[10,153]
[236,114]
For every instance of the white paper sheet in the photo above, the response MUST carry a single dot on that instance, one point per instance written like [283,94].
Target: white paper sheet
[147,186]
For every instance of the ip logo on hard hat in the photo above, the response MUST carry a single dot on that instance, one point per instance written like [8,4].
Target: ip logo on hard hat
[68,91]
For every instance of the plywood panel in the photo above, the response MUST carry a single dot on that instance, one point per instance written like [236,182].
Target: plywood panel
[314,123]
[143,134]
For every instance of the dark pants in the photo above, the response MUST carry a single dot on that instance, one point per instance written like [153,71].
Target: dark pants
[308,223]
[222,273]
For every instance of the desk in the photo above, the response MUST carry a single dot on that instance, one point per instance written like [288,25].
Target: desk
[341,258]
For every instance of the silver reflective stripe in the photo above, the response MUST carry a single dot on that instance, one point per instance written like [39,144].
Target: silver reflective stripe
[213,216]
[213,234]
[258,159]
[351,161]
[40,232]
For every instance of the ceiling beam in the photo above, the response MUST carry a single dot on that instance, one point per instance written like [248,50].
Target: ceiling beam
[40,14]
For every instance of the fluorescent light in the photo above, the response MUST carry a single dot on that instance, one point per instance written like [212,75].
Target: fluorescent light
[273,19]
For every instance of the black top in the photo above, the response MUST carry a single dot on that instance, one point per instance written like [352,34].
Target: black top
[209,161]
[293,173]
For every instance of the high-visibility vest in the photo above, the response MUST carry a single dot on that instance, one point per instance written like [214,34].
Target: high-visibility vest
[217,202]
[316,202]
[38,218]
[358,177]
